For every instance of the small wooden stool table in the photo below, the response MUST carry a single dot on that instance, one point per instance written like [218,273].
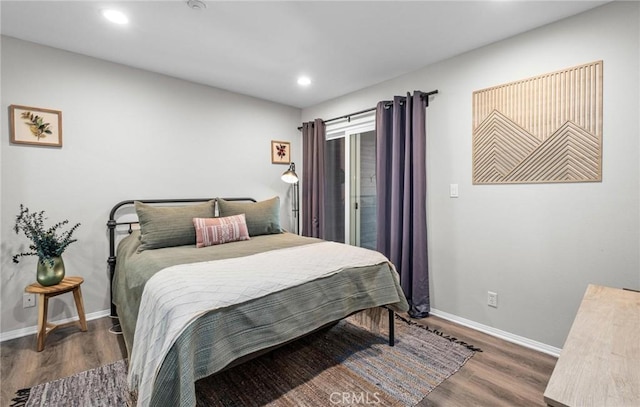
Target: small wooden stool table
[44,293]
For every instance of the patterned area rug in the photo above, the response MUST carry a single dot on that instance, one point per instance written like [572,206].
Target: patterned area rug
[344,365]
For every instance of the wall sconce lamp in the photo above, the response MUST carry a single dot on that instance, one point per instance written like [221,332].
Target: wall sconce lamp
[290,177]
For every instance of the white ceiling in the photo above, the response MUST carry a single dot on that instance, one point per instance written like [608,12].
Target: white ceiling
[260,48]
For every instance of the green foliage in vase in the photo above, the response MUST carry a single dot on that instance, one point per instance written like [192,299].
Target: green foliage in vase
[45,243]
[36,124]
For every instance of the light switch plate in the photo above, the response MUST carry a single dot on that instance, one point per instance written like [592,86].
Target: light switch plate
[453,190]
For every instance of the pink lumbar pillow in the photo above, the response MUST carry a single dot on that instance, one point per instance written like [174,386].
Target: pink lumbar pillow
[212,231]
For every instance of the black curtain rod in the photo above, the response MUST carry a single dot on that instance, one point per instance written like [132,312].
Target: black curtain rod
[425,95]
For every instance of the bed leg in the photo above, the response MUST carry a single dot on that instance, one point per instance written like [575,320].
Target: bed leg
[392,335]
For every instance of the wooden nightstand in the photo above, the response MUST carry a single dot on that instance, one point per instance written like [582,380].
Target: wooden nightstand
[44,293]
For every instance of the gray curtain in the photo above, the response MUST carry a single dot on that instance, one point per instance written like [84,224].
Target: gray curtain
[313,139]
[402,194]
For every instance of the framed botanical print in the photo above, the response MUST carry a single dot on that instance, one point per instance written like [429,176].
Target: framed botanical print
[280,152]
[35,126]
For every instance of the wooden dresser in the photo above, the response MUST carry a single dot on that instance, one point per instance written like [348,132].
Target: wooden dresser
[600,363]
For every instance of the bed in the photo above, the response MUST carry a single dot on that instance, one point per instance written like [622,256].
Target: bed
[204,284]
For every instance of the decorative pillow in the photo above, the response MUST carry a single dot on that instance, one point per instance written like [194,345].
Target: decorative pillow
[263,218]
[212,231]
[167,226]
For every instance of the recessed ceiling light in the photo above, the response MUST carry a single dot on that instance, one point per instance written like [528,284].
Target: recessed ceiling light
[304,81]
[115,16]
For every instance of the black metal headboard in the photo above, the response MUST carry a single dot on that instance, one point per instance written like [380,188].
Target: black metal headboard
[112,224]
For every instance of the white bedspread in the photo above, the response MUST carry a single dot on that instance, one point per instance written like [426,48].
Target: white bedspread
[176,296]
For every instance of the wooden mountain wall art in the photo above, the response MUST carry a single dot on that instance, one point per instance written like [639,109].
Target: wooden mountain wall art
[543,129]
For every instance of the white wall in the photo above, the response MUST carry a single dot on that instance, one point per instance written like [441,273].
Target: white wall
[537,246]
[127,134]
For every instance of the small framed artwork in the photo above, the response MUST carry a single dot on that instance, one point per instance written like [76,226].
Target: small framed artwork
[280,152]
[35,126]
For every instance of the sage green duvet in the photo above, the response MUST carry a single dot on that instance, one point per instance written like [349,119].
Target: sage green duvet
[222,336]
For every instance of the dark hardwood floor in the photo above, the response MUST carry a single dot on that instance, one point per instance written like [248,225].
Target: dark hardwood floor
[504,374]
[67,351]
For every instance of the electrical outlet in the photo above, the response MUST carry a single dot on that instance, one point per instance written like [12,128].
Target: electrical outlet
[28,300]
[492,299]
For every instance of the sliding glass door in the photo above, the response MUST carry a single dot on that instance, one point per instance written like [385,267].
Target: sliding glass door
[363,190]
[335,198]
[350,201]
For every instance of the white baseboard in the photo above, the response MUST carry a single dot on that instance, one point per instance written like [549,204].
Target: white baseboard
[19,333]
[518,340]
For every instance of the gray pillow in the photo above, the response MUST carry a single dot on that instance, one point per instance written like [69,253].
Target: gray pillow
[167,226]
[263,218]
